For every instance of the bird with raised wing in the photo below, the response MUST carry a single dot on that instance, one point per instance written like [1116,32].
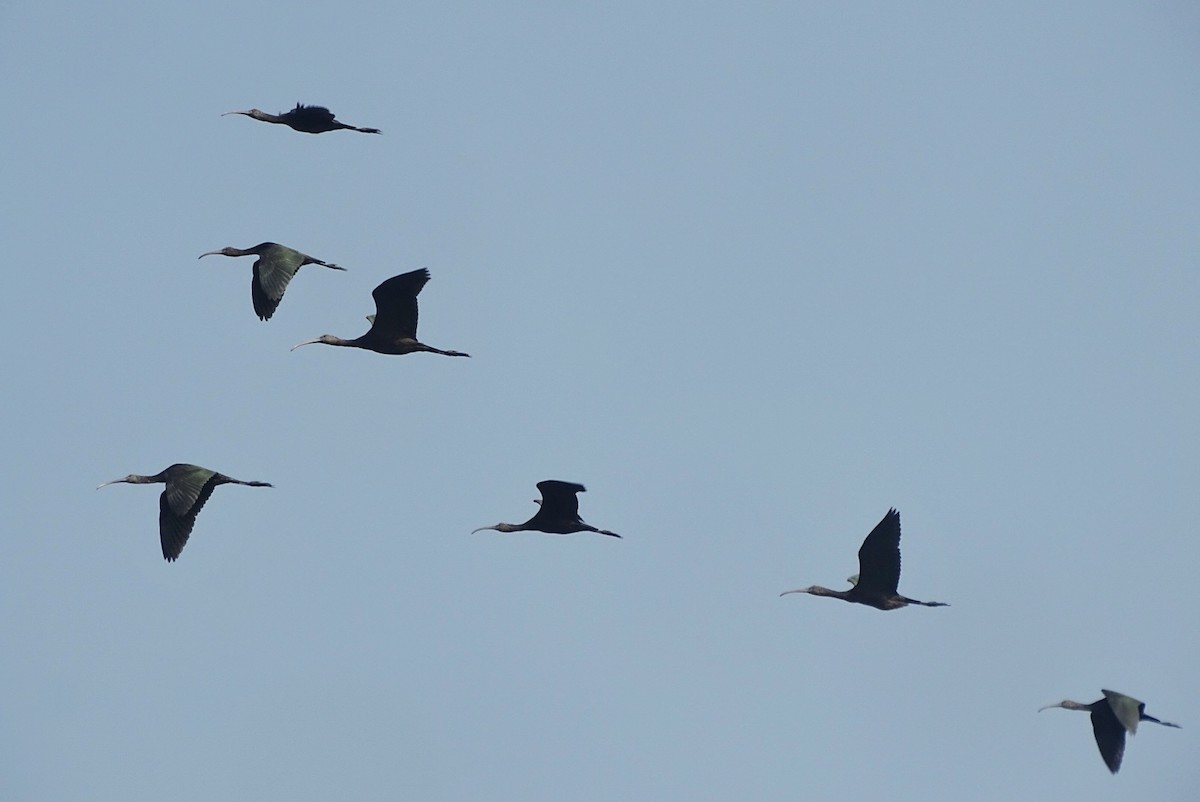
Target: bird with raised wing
[558,513]
[394,324]
[306,120]
[878,578]
[188,487]
[274,268]
[1112,717]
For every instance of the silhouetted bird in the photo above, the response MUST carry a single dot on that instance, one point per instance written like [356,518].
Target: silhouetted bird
[394,324]
[306,119]
[1111,717]
[188,487]
[558,515]
[878,576]
[273,269]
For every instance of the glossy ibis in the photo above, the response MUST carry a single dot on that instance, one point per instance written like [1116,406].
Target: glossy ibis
[188,487]
[878,576]
[306,119]
[394,325]
[558,515]
[273,269]
[1111,717]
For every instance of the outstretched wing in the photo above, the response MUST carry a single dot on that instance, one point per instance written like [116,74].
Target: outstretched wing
[1125,709]
[1110,736]
[879,557]
[185,485]
[396,304]
[174,527]
[272,272]
[559,500]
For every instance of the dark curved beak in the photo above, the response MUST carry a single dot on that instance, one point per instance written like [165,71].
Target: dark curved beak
[210,253]
[306,342]
[106,484]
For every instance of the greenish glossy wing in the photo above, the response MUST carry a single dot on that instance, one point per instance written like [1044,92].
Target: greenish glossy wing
[273,271]
[185,484]
[188,487]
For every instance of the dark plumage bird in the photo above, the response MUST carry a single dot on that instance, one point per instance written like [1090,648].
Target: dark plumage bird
[878,571]
[1111,717]
[188,487]
[273,269]
[559,513]
[394,324]
[306,119]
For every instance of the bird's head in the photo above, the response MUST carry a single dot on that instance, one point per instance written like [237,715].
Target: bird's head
[1066,704]
[498,527]
[226,251]
[328,339]
[131,478]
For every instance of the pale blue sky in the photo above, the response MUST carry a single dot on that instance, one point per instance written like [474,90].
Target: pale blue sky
[752,275]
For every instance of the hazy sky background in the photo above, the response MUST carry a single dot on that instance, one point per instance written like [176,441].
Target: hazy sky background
[752,274]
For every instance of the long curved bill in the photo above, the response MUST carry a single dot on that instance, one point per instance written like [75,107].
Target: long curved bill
[106,484]
[210,253]
[306,342]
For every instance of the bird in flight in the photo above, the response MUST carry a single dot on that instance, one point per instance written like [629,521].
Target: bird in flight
[305,119]
[558,513]
[188,487]
[394,324]
[1112,717]
[274,268]
[878,576]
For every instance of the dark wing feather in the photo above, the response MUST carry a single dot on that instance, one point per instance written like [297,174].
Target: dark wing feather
[175,528]
[312,114]
[1110,736]
[879,557]
[559,500]
[273,270]
[396,305]
[185,485]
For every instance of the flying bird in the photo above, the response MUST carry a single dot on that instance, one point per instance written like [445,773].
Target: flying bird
[306,119]
[394,324]
[558,513]
[188,487]
[1111,717]
[878,577]
[275,266]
